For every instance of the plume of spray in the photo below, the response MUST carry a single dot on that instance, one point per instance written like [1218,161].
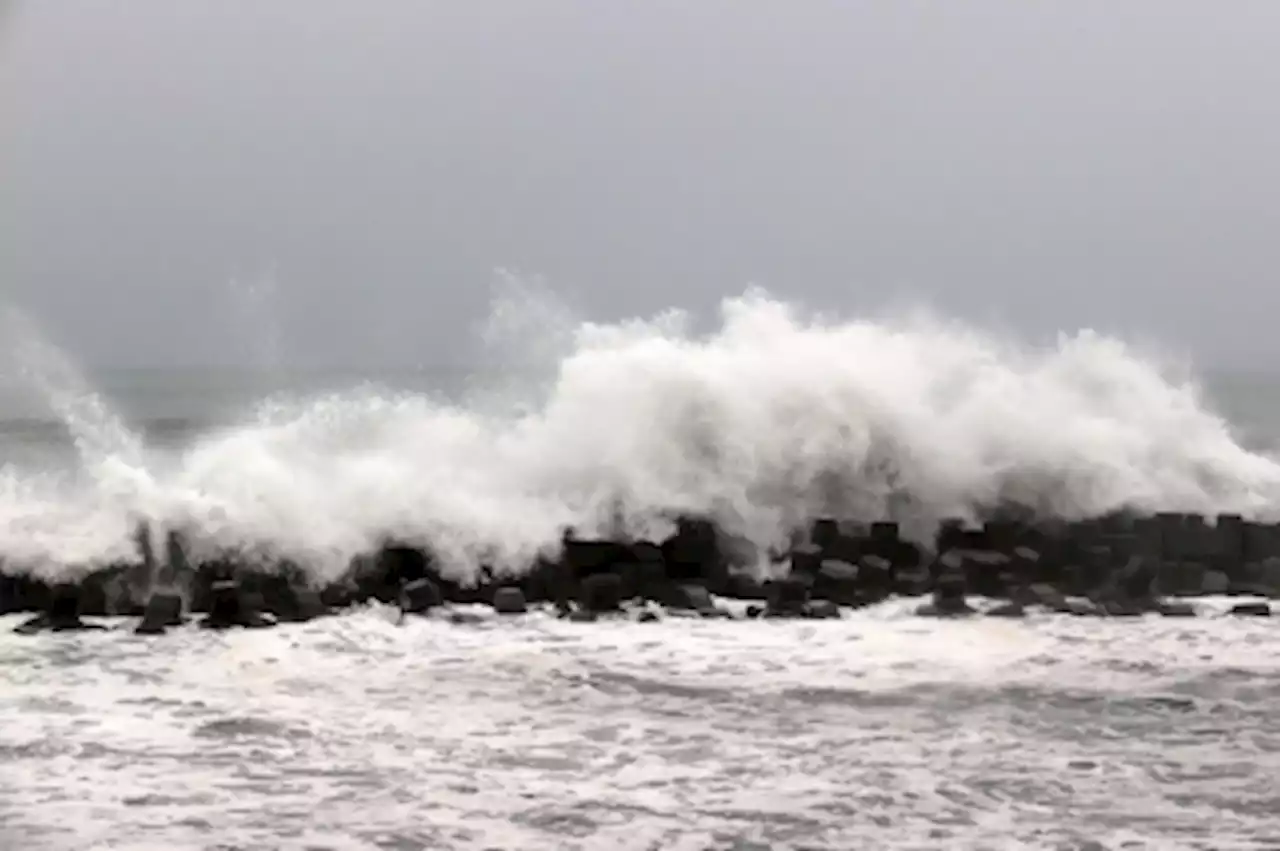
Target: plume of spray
[54,521]
[767,420]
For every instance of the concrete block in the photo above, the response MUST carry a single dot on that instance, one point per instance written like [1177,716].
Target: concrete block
[509,601]
[1215,582]
[601,592]
[419,596]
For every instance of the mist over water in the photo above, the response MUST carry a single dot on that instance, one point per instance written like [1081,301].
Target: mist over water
[767,419]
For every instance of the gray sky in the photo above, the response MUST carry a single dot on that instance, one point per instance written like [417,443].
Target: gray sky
[1046,165]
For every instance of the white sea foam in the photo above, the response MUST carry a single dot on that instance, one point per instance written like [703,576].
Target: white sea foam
[770,417]
[880,730]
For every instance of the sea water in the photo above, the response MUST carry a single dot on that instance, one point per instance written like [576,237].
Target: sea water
[880,730]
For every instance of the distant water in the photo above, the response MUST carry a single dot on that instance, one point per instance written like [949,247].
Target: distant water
[763,421]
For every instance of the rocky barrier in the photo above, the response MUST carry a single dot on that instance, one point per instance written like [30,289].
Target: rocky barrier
[1109,567]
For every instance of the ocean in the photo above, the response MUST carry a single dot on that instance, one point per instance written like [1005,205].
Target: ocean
[879,730]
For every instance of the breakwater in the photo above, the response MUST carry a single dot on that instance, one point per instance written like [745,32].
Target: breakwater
[1119,565]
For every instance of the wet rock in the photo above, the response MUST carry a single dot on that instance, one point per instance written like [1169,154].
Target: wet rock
[582,616]
[229,607]
[1251,610]
[601,592]
[164,609]
[754,611]
[509,601]
[420,596]
[647,616]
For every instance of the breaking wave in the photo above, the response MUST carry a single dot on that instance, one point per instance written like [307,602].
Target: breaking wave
[770,417]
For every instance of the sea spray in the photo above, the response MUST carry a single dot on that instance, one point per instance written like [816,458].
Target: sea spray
[769,419]
[53,520]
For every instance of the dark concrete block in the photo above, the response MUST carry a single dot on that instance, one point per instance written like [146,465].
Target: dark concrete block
[1173,543]
[1148,538]
[787,596]
[805,559]
[912,581]
[509,601]
[824,533]
[62,613]
[230,607]
[305,604]
[1229,531]
[884,531]
[1198,536]
[1180,578]
[1215,582]
[164,609]
[839,582]
[689,596]
[743,586]
[1268,574]
[1261,542]
[601,592]
[420,596]
[176,562]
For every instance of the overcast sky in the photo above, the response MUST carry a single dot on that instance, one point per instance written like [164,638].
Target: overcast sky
[1047,165]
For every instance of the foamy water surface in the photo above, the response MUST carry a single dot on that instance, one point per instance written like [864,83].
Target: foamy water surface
[877,731]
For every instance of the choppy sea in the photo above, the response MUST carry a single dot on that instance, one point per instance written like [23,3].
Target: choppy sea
[881,730]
